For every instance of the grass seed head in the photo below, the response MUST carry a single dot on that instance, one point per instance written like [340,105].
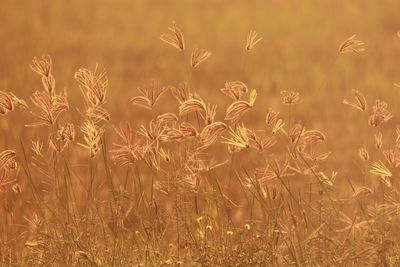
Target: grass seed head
[290,98]
[198,56]
[252,40]
[6,103]
[175,38]
[350,45]
[360,103]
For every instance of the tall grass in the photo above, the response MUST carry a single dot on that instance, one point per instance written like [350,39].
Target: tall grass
[194,182]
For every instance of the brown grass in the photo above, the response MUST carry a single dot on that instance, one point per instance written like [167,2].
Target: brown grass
[193,182]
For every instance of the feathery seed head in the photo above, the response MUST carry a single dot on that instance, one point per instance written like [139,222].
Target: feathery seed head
[211,132]
[7,159]
[198,56]
[191,105]
[362,192]
[364,155]
[234,89]
[359,103]
[95,84]
[6,103]
[351,44]
[239,137]
[380,114]
[378,140]
[175,38]
[237,109]
[42,66]
[181,93]
[271,117]
[252,40]
[290,98]
[98,114]
[92,136]
[67,132]
[380,169]
[150,96]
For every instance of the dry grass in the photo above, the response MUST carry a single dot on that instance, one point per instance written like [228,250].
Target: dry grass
[174,175]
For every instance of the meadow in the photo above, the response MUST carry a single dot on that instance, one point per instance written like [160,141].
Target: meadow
[199,133]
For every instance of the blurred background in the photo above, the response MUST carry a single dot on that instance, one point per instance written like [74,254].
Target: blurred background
[298,52]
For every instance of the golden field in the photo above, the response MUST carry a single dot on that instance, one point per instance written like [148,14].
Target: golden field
[275,143]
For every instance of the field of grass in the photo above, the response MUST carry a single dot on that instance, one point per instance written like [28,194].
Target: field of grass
[199,133]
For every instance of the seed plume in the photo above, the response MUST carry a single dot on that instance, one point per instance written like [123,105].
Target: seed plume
[175,38]
[351,44]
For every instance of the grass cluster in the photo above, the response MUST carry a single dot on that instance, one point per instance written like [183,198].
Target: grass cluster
[193,179]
